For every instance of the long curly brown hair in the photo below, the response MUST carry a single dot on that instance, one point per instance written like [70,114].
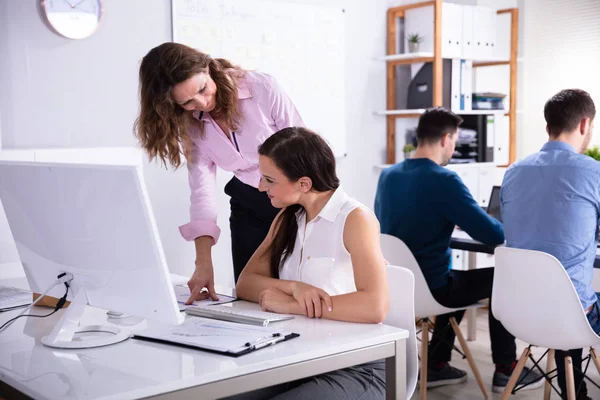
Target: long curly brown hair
[162,125]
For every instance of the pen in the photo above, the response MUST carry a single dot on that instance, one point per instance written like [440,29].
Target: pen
[265,344]
[256,342]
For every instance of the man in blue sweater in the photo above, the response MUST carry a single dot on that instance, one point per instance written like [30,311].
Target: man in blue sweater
[420,202]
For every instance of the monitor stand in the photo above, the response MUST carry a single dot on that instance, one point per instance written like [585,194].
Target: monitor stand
[67,334]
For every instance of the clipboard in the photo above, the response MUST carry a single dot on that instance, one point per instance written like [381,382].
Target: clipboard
[12,298]
[222,337]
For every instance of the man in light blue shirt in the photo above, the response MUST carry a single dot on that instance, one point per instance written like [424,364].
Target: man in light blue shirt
[551,202]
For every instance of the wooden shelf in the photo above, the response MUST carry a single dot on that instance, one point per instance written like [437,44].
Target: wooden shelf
[398,12]
[415,113]
[408,58]
[490,63]
[481,112]
[423,56]
[461,166]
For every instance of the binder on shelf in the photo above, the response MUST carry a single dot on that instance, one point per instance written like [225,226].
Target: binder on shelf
[452,16]
[466,85]
[457,23]
[467,33]
[484,32]
[456,91]
[455,86]
[501,140]
[490,131]
[490,31]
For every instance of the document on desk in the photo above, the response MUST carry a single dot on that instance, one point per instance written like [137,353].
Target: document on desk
[183,294]
[11,298]
[222,337]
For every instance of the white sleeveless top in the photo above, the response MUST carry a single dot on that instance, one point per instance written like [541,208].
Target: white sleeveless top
[320,257]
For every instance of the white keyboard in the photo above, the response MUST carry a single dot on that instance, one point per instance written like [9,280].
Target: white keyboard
[231,314]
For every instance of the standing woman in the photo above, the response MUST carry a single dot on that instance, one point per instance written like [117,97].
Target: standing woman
[216,115]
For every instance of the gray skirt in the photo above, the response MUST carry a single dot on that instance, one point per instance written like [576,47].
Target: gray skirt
[364,382]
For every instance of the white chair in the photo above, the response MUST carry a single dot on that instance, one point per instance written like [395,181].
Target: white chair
[402,315]
[397,253]
[535,300]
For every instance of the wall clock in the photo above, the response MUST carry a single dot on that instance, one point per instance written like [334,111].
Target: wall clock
[74,19]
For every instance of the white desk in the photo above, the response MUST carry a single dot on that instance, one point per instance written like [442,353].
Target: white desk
[138,369]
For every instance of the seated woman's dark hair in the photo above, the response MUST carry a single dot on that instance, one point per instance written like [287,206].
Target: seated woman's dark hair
[297,152]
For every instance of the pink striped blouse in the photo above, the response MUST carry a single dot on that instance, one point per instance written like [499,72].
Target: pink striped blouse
[265,110]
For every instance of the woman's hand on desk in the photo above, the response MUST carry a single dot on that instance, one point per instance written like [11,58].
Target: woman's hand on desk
[203,277]
[314,300]
[274,300]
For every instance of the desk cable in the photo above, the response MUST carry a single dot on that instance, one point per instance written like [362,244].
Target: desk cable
[64,278]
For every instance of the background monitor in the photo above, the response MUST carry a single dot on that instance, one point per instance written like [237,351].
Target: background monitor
[494,204]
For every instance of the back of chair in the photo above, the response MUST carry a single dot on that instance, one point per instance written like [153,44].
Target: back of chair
[535,300]
[396,252]
[402,315]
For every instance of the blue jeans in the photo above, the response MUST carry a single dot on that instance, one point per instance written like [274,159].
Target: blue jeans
[576,354]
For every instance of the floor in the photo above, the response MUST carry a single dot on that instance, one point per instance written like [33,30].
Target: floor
[482,354]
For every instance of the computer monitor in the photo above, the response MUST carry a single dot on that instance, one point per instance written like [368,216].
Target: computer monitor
[95,222]
[493,207]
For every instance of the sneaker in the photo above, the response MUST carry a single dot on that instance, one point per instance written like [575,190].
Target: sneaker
[534,380]
[448,375]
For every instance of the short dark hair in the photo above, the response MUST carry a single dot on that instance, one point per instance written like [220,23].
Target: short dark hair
[565,110]
[434,123]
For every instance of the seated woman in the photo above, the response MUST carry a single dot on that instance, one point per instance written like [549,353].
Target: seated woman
[321,258]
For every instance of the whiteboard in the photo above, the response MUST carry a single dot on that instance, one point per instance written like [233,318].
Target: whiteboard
[301,45]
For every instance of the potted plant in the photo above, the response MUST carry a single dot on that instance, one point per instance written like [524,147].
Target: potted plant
[593,152]
[408,151]
[413,42]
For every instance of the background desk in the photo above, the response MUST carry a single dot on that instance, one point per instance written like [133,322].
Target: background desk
[462,241]
[138,369]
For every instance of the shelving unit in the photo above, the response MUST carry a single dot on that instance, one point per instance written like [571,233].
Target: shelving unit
[419,111]
[392,60]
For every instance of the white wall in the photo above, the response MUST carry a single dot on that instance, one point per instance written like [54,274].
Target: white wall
[58,92]
[562,50]
[366,132]
[63,93]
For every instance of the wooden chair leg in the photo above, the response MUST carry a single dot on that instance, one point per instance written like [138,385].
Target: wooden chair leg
[570,378]
[424,356]
[516,374]
[471,324]
[467,351]
[595,358]
[550,365]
